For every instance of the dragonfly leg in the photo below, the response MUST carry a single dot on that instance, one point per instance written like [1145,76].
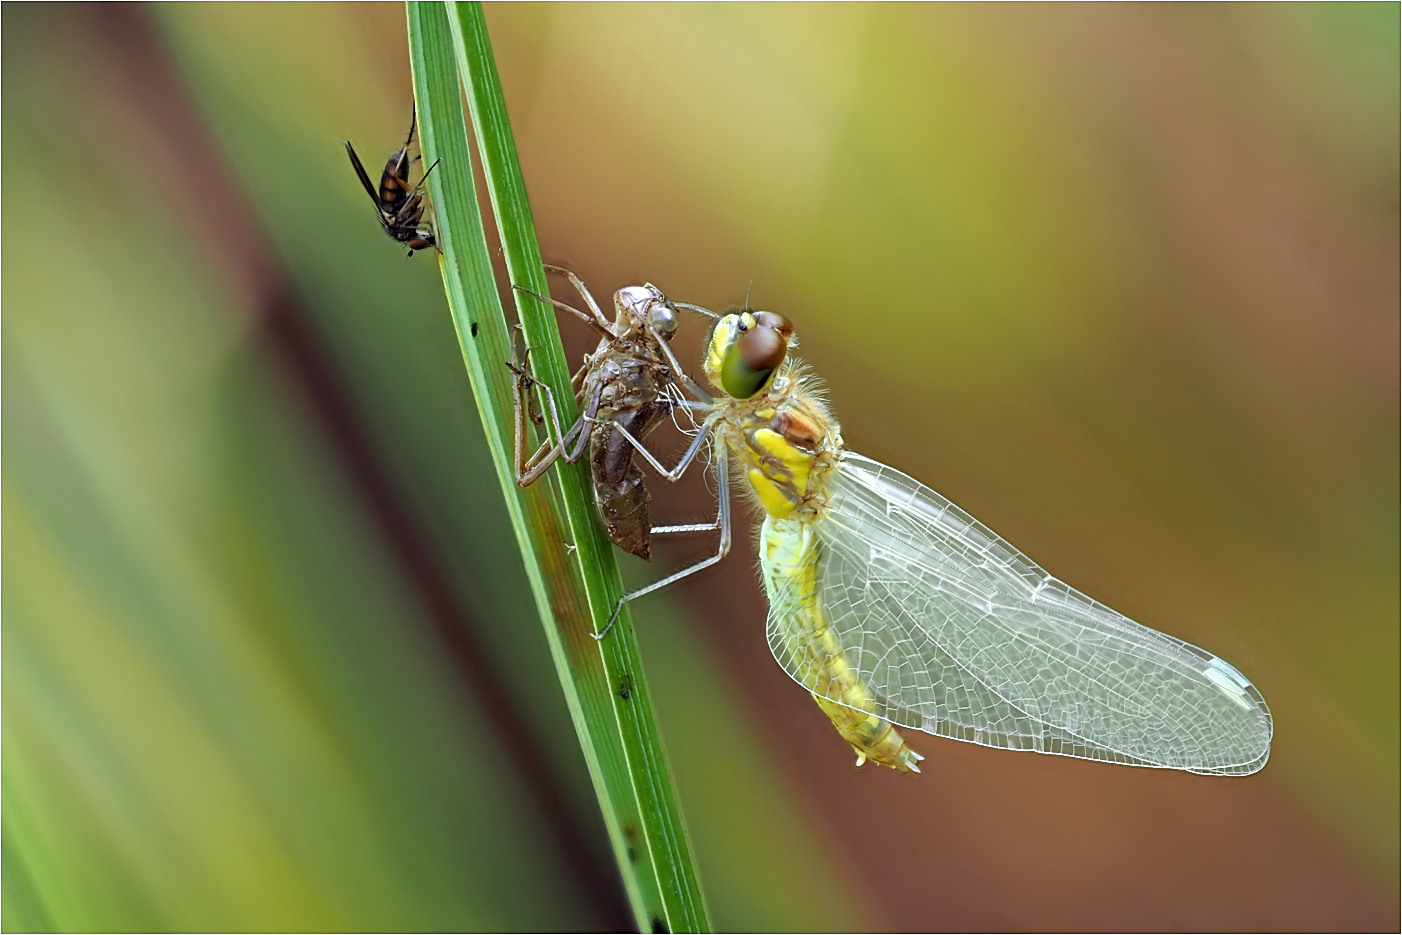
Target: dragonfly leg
[682,378]
[595,319]
[722,549]
[524,381]
[577,381]
[672,474]
[528,470]
[571,445]
[703,311]
[686,528]
[588,417]
[690,528]
[589,320]
[584,292]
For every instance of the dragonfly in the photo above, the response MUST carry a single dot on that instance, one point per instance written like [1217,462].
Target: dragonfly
[897,610]
[401,206]
[630,384]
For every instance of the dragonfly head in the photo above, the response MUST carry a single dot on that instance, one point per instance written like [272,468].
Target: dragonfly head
[640,307]
[746,351]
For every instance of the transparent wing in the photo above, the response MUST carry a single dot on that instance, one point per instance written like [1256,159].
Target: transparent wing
[958,634]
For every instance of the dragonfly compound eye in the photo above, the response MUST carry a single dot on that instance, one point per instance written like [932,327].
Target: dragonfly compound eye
[662,318]
[751,362]
[775,322]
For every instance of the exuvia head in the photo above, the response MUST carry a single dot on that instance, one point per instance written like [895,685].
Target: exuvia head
[746,351]
[639,307]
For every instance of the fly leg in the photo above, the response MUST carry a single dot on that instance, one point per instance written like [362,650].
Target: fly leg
[432,227]
[423,180]
[723,547]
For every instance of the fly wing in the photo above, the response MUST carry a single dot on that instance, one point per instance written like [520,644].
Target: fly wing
[364,177]
[958,634]
[369,186]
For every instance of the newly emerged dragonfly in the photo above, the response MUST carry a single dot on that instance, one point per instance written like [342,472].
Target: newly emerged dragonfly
[623,386]
[400,206]
[895,608]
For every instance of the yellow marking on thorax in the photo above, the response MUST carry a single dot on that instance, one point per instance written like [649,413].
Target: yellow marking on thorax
[794,460]
[781,445]
[772,497]
[779,471]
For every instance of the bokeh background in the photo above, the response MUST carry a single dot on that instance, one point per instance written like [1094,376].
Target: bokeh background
[1121,280]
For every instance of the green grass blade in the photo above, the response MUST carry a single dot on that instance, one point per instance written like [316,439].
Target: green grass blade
[603,681]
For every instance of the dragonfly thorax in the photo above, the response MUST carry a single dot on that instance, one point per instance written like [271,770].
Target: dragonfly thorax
[787,442]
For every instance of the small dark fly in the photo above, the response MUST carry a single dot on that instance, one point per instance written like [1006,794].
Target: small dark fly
[631,380]
[400,205]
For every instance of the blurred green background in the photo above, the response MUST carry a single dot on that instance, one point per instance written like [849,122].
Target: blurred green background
[1120,280]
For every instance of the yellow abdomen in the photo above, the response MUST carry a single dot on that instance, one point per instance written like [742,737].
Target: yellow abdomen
[807,648]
